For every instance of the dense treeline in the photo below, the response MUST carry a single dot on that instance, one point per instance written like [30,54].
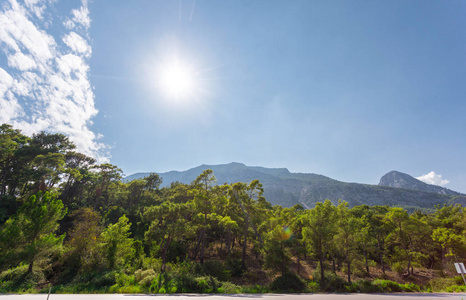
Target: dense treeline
[68,221]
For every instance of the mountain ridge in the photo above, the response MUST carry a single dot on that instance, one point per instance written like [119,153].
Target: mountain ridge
[287,189]
[402,180]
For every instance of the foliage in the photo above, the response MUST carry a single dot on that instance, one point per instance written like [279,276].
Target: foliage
[29,235]
[288,283]
[200,237]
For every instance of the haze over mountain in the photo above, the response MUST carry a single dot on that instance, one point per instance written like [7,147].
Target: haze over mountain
[287,189]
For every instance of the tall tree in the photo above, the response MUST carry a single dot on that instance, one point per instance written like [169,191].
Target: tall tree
[320,230]
[347,231]
[117,245]
[29,234]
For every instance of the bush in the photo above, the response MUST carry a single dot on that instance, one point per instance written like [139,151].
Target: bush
[255,289]
[456,289]
[216,269]
[18,280]
[398,267]
[313,287]
[288,283]
[411,287]
[207,284]
[441,284]
[331,282]
[186,283]
[144,277]
[388,286]
[104,280]
[366,286]
[125,280]
[229,288]
[235,267]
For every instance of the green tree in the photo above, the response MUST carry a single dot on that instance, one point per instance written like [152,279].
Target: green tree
[407,236]
[249,198]
[320,230]
[83,243]
[30,234]
[449,231]
[203,204]
[116,243]
[346,237]
[167,224]
[10,141]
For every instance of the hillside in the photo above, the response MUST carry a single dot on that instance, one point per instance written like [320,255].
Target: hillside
[287,189]
[401,180]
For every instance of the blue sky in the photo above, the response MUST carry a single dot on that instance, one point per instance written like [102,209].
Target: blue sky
[347,89]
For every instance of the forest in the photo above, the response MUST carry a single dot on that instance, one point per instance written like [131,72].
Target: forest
[75,226]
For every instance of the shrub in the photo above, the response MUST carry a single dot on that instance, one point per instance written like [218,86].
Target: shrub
[235,267]
[125,280]
[207,284]
[144,277]
[288,283]
[186,283]
[104,280]
[216,269]
[255,289]
[366,286]
[388,285]
[459,280]
[456,289]
[440,284]
[313,287]
[229,288]
[331,282]
[398,267]
[411,287]
[18,280]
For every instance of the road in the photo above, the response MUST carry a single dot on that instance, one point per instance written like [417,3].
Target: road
[401,296]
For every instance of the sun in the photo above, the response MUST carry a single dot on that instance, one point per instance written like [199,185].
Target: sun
[176,80]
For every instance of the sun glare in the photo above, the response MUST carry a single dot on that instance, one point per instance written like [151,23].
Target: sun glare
[176,80]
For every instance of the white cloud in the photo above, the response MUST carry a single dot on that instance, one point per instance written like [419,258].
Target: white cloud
[45,87]
[21,61]
[77,44]
[433,178]
[36,6]
[80,17]
[8,104]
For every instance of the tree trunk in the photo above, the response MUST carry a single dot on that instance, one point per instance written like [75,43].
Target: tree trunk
[3,189]
[349,265]
[198,244]
[349,271]
[246,225]
[299,260]
[164,252]
[367,263]
[201,254]
[283,259]
[31,263]
[321,259]
[228,241]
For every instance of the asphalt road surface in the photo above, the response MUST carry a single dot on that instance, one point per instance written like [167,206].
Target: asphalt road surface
[401,296]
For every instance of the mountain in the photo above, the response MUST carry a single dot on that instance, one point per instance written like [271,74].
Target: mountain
[401,180]
[287,189]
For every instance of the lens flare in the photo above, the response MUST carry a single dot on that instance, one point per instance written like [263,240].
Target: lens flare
[286,233]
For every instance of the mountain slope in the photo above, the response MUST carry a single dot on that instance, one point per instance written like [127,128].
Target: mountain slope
[401,180]
[287,189]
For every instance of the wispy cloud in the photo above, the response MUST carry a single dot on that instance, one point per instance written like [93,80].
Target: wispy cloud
[45,84]
[433,178]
